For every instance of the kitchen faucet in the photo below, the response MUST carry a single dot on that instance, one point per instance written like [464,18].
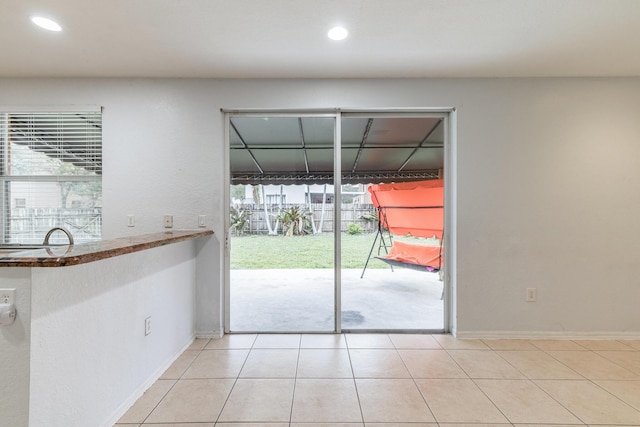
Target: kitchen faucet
[64,230]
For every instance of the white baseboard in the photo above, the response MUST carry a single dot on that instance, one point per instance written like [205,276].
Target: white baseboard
[546,335]
[209,334]
[138,392]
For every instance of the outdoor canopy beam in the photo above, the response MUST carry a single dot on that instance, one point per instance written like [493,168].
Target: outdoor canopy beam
[327,177]
[304,149]
[246,146]
[67,154]
[362,143]
[424,140]
[328,147]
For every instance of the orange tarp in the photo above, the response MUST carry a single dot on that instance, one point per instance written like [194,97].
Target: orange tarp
[411,208]
[415,254]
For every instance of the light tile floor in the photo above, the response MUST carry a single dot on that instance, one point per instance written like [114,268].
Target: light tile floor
[394,380]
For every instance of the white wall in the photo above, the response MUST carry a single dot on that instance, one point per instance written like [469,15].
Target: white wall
[547,172]
[90,357]
[15,347]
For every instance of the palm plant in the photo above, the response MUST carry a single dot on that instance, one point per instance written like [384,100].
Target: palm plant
[238,221]
[295,221]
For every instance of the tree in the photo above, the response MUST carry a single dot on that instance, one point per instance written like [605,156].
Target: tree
[324,202]
[26,161]
[273,231]
[89,191]
[237,192]
[310,208]
[256,194]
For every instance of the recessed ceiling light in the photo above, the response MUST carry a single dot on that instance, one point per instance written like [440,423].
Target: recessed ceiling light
[46,23]
[338,33]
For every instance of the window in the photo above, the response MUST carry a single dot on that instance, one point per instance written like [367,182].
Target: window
[317,198]
[51,168]
[276,199]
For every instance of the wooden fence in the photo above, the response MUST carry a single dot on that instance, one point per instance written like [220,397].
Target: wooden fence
[351,214]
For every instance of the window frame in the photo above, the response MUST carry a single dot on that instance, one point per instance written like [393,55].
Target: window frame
[7,234]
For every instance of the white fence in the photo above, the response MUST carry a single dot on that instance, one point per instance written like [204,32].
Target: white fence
[29,225]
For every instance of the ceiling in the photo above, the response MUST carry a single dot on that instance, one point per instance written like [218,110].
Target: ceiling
[287,38]
[299,150]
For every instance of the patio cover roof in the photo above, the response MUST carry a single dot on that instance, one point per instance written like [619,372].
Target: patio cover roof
[69,137]
[299,150]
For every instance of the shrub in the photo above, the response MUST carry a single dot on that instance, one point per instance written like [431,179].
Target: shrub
[295,221]
[354,229]
[239,220]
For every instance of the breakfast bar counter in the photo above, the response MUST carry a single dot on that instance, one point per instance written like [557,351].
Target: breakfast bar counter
[118,314]
[66,255]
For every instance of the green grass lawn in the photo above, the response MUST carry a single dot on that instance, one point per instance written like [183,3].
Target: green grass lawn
[301,251]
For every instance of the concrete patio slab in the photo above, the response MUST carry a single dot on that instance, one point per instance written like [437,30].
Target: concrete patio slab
[302,300]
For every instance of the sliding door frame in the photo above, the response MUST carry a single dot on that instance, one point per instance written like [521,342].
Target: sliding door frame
[449,117]
[337,147]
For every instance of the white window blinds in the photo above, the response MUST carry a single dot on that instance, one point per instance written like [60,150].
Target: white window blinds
[50,175]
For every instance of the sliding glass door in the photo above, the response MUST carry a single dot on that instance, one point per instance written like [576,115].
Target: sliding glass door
[393,220]
[282,224]
[310,247]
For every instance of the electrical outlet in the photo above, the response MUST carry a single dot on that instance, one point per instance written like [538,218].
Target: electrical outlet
[7,314]
[7,296]
[131,220]
[147,326]
[168,221]
[202,220]
[532,294]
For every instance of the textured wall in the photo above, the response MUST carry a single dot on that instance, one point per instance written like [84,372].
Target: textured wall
[15,349]
[89,353]
[545,185]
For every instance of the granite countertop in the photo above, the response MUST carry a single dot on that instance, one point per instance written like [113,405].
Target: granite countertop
[65,255]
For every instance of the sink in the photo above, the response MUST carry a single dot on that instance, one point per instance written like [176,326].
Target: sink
[15,247]
[11,248]
[25,246]
[21,246]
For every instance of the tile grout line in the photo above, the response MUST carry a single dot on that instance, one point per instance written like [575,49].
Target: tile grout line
[295,381]
[473,380]
[557,401]
[593,382]
[176,380]
[498,352]
[235,381]
[532,381]
[582,377]
[355,383]
[616,363]
[424,399]
[457,364]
